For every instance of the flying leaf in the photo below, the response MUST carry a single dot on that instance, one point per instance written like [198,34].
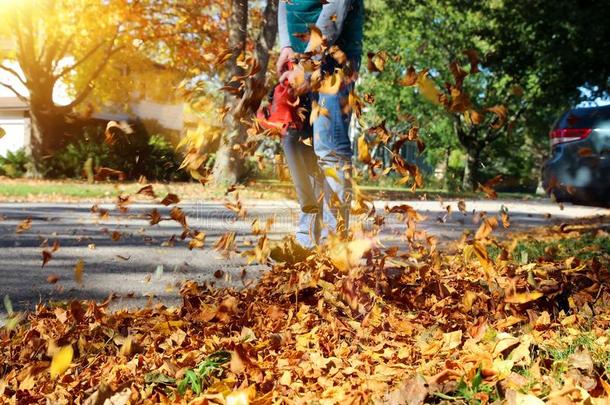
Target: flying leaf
[501,115]
[462,206]
[363,150]
[410,79]
[346,255]
[46,257]
[473,58]
[79,268]
[198,241]
[2,132]
[170,199]
[487,226]
[428,88]
[8,305]
[331,84]
[24,225]
[316,39]
[147,191]
[377,61]
[61,361]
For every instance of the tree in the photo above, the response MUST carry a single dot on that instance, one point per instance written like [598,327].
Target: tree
[47,56]
[522,48]
[73,42]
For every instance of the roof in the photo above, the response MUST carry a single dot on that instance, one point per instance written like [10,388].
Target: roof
[13,104]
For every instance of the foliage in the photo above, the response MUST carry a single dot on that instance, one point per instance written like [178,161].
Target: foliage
[201,377]
[518,49]
[136,154]
[586,247]
[14,164]
[101,41]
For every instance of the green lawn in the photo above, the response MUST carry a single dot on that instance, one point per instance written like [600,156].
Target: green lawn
[69,190]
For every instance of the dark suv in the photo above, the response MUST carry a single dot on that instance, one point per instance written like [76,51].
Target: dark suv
[579,167]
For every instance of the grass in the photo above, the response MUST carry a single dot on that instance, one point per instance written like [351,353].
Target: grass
[584,247]
[75,190]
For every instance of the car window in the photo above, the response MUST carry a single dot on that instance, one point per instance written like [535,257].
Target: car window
[584,118]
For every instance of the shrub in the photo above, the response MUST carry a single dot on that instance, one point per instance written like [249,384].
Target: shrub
[14,164]
[136,154]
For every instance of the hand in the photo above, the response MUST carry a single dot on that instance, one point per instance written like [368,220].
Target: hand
[297,80]
[285,55]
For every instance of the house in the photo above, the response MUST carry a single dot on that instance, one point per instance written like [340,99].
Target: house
[15,121]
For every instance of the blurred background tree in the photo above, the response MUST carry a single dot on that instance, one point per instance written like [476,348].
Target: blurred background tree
[534,59]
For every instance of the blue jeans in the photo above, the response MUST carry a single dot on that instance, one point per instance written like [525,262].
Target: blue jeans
[333,148]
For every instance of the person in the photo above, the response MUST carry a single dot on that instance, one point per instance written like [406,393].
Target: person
[327,166]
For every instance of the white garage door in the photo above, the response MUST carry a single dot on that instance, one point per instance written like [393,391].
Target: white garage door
[15,137]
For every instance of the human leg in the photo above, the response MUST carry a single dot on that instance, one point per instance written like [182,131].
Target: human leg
[334,151]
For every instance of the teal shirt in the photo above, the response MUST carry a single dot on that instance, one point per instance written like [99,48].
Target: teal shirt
[341,22]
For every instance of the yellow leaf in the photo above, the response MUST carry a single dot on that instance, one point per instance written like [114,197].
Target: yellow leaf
[522,298]
[468,299]
[286,378]
[332,173]
[451,340]
[331,83]
[2,132]
[241,397]
[427,88]
[363,150]
[61,361]
[347,255]
[315,39]
[78,271]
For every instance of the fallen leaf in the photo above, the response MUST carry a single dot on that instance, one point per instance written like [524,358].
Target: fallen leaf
[523,298]
[61,361]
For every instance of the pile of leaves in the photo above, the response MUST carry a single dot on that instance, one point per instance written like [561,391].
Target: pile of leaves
[355,323]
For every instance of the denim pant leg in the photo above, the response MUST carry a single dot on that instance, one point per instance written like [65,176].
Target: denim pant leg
[334,150]
[307,178]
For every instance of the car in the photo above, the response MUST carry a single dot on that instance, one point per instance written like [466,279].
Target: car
[578,170]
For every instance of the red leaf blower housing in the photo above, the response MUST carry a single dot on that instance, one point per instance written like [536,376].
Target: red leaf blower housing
[281,114]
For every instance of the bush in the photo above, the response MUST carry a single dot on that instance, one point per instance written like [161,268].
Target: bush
[136,154]
[69,161]
[162,162]
[14,164]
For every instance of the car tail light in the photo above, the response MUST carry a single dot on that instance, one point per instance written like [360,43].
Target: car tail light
[568,135]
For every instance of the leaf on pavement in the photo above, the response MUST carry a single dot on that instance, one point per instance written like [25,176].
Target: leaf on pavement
[24,225]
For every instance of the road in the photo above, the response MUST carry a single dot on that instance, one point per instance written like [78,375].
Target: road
[145,265]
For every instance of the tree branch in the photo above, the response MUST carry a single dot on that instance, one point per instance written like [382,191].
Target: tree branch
[19,95]
[81,61]
[89,87]
[14,73]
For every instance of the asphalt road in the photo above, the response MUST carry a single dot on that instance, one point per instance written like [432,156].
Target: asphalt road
[145,265]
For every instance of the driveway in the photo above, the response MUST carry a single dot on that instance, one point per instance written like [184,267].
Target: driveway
[140,263]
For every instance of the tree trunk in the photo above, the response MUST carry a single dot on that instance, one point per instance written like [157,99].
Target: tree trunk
[48,135]
[229,167]
[471,171]
[446,179]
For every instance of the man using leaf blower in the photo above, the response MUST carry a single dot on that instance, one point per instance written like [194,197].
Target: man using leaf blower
[335,27]
[285,115]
